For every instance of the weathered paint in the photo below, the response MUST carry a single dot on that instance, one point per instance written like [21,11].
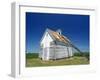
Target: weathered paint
[51,50]
[46,40]
[56,52]
[45,43]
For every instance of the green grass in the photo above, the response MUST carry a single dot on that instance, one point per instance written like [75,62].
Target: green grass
[32,60]
[84,54]
[31,55]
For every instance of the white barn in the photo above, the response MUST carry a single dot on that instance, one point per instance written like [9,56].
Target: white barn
[54,46]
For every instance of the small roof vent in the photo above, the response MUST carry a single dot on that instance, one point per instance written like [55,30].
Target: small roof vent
[59,31]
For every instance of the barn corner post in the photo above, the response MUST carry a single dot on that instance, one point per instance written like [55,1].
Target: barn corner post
[54,54]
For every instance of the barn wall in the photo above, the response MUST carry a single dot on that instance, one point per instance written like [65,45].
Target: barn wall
[56,52]
[46,40]
[45,43]
[51,51]
[44,53]
[60,52]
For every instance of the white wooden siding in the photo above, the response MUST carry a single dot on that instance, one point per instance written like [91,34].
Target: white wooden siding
[52,51]
[45,44]
[59,52]
[46,40]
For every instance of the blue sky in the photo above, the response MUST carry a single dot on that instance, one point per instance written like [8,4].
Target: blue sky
[75,27]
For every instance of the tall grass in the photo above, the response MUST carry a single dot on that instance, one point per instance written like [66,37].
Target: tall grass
[84,54]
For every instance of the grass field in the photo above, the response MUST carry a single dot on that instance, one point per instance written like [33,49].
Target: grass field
[32,60]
